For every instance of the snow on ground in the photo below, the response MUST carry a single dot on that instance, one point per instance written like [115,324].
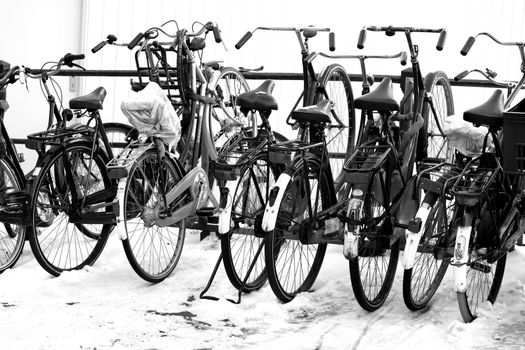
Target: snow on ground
[107,306]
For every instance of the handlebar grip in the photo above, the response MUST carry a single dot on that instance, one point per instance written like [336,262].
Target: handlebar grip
[403,59]
[461,75]
[466,48]
[331,41]
[362,38]
[99,46]
[69,58]
[243,40]
[217,34]
[135,41]
[441,40]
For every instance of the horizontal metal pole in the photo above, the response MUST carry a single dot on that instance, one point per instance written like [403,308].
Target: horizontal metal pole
[257,76]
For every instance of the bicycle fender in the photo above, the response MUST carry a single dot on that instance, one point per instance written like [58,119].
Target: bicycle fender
[351,235]
[272,207]
[121,190]
[225,216]
[412,239]
[207,138]
[461,258]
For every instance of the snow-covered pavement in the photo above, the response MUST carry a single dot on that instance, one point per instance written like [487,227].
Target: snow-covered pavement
[107,306]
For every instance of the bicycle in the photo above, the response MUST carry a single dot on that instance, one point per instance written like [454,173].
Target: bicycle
[17,204]
[242,240]
[489,195]
[160,196]
[384,198]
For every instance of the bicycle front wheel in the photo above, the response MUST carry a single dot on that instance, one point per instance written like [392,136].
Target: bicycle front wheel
[421,282]
[373,270]
[61,239]
[153,251]
[293,266]
[12,237]
[240,245]
[341,132]
[435,144]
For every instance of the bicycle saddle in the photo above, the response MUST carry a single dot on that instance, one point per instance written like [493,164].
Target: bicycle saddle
[260,99]
[319,113]
[489,113]
[381,99]
[91,101]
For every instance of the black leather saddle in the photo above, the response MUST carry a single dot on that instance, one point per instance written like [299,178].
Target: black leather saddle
[260,99]
[381,99]
[489,113]
[319,113]
[91,101]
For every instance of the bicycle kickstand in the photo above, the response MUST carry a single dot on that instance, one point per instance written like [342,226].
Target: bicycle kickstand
[252,265]
[210,281]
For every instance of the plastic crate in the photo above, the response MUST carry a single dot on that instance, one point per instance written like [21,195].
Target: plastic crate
[514,139]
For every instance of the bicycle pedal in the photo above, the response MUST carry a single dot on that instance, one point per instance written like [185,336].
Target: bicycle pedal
[117,172]
[104,195]
[414,225]
[207,211]
[480,267]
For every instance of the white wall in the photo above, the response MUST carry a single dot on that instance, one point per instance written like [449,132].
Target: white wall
[36,31]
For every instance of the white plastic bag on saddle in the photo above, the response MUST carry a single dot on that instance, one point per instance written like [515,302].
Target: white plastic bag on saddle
[464,136]
[151,113]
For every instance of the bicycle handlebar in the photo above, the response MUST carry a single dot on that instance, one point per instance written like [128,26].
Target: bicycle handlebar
[308,32]
[401,55]
[470,41]
[488,74]
[67,60]
[110,40]
[7,78]
[390,31]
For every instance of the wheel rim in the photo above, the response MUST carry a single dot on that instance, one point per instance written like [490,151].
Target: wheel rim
[247,210]
[65,245]
[338,137]
[294,263]
[9,246]
[230,85]
[438,146]
[155,249]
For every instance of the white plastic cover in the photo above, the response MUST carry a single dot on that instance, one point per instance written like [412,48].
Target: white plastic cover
[151,113]
[464,136]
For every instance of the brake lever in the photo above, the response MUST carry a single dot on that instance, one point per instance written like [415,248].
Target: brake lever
[77,65]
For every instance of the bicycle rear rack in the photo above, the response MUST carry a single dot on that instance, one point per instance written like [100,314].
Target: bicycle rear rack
[437,178]
[236,153]
[281,153]
[119,166]
[56,136]
[472,184]
[364,162]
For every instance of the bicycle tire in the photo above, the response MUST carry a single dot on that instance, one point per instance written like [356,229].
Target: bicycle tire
[152,251]
[421,282]
[82,243]
[240,244]
[12,237]
[433,143]
[234,243]
[371,285]
[340,142]
[281,251]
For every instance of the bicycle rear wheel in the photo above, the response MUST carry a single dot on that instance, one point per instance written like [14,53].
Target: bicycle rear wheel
[436,144]
[245,237]
[117,133]
[293,266]
[12,237]
[153,251]
[341,132]
[59,242]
